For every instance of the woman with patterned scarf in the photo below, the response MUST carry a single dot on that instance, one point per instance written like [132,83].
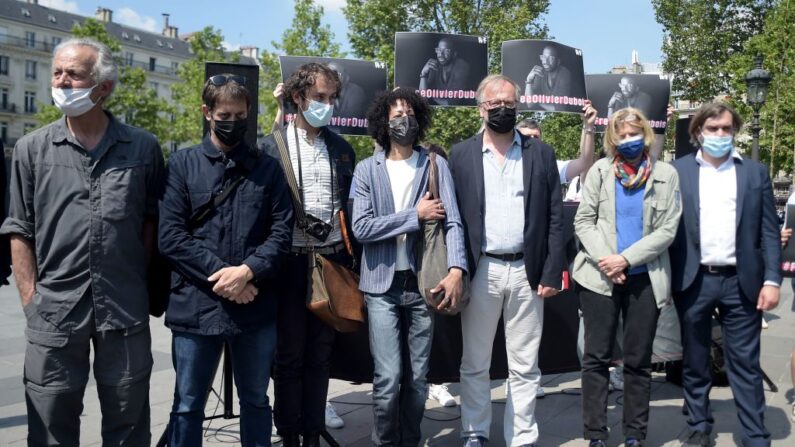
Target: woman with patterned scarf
[626,220]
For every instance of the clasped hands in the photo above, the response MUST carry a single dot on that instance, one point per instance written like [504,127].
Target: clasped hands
[234,284]
[613,266]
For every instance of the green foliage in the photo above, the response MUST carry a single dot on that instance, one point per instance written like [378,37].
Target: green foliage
[133,101]
[373,24]
[777,45]
[206,46]
[306,36]
[701,36]
[562,132]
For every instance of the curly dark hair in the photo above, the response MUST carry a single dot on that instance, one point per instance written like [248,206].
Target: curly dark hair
[305,76]
[378,114]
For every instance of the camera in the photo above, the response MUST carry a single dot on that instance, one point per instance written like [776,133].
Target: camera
[317,228]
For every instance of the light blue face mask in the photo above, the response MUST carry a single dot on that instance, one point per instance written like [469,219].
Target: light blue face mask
[318,114]
[717,146]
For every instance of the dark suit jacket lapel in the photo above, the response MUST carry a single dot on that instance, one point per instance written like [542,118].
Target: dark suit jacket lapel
[527,168]
[691,194]
[477,168]
[742,186]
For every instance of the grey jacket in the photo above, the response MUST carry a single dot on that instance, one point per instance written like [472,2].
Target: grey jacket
[595,226]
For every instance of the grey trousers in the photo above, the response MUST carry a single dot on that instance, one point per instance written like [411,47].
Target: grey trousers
[56,373]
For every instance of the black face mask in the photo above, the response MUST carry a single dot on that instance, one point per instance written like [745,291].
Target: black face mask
[231,132]
[501,119]
[404,130]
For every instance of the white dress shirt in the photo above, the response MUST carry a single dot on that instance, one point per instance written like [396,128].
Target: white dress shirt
[718,210]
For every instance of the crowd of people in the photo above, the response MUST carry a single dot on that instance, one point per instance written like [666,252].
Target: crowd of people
[92,203]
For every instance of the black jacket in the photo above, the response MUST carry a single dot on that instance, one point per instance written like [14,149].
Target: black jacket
[543,228]
[252,226]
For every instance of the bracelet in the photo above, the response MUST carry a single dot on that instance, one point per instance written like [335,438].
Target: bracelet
[588,130]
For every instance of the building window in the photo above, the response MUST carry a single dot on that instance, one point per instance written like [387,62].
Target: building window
[137,38]
[4,98]
[155,87]
[51,18]
[174,67]
[159,43]
[30,102]
[30,70]
[4,132]
[152,63]
[29,127]
[26,12]
[56,41]
[128,58]
[30,39]
[124,35]
[3,65]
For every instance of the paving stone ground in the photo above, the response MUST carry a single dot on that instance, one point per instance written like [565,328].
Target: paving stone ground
[559,413]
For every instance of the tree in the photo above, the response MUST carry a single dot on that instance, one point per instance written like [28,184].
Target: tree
[206,45]
[777,45]
[133,101]
[373,24]
[701,36]
[306,36]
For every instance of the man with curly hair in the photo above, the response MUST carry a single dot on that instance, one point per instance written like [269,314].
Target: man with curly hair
[323,165]
[390,205]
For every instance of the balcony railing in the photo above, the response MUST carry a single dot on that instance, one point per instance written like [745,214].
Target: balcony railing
[8,107]
[148,67]
[22,42]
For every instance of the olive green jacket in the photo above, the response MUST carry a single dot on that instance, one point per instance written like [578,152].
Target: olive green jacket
[595,226]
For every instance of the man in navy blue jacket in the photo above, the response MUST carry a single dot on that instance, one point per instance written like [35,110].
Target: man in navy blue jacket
[726,256]
[226,257]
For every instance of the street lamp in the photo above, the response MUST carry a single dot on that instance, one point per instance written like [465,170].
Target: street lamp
[757,81]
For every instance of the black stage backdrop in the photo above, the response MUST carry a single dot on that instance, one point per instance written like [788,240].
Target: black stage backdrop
[648,93]
[361,82]
[550,75]
[351,358]
[251,72]
[444,68]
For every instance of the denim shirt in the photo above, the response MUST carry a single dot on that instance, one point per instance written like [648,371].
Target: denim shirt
[253,226]
[84,213]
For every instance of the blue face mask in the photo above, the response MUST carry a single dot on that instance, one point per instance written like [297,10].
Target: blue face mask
[318,114]
[717,146]
[630,148]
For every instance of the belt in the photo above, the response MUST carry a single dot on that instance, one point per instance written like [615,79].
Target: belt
[509,257]
[327,250]
[719,269]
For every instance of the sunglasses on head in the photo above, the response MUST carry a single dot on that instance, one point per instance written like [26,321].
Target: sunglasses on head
[219,80]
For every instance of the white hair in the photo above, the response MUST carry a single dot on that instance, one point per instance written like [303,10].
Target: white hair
[104,68]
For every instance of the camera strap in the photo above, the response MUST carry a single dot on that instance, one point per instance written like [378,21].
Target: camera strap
[204,211]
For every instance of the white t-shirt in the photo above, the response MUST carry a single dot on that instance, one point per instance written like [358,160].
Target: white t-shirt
[562,166]
[401,178]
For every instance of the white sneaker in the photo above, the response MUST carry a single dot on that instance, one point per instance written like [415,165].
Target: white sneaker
[540,393]
[617,378]
[440,394]
[332,419]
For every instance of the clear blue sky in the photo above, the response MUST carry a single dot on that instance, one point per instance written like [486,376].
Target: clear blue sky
[606,31]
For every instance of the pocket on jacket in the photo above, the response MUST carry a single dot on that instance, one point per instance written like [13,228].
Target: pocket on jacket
[123,192]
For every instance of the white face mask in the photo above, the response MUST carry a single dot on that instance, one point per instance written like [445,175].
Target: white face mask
[73,101]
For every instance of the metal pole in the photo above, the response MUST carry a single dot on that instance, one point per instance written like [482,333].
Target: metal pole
[755,129]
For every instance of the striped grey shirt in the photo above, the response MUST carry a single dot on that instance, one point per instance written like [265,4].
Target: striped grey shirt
[318,193]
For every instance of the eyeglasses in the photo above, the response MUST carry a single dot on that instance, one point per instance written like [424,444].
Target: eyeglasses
[219,80]
[494,103]
[443,50]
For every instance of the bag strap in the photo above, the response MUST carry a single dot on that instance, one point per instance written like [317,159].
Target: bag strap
[433,177]
[345,238]
[204,211]
[284,154]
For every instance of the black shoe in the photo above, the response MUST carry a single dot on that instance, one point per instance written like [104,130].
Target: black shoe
[597,443]
[291,440]
[698,439]
[311,439]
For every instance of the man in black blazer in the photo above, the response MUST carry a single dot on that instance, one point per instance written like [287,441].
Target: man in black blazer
[508,191]
[725,257]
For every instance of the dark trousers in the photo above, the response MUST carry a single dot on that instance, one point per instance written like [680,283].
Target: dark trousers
[741,324]
[56,373]
[303,356]
[635,301]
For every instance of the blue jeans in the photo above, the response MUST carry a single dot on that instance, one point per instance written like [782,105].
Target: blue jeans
[195,358]
[401,329]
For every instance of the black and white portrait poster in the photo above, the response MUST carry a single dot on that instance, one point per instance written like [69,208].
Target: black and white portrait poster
[646,92]
[444,68]
[361,82]
[549,74]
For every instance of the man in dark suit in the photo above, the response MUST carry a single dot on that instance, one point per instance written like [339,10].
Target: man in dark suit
[508,190]
[726,256]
